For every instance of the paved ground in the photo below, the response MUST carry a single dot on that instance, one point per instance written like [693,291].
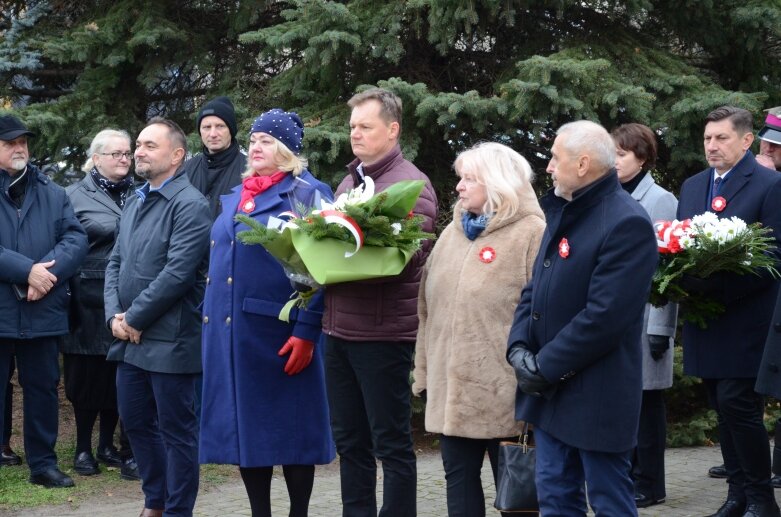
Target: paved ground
[689,492]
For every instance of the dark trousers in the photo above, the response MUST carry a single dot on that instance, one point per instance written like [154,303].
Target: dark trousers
[777,449]
[562,470]
[159,418]
[369,397]
[648,460]
[38,365]
[8,413]
[744,443]
[462,459]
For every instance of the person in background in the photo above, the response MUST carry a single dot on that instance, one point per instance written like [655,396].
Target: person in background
[90,380]
[42,246]
[7,455]
[264,401]
[770,157]
[471,283]
[635,158]
[219,166]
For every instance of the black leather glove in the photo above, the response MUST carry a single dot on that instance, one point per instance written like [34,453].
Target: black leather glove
[658,346]
[527,371]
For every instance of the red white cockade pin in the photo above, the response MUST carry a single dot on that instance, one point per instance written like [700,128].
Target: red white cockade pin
[249,206]
[564,248]
[718,203]
[487,255]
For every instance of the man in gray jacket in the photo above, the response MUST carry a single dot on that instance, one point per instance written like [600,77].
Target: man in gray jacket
[152,292]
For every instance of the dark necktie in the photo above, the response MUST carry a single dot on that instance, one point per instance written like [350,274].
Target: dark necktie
[716,183]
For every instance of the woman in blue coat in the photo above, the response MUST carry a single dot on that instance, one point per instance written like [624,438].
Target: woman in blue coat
[264,400]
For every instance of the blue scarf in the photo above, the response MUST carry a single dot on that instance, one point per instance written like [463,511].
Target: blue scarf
[473,225]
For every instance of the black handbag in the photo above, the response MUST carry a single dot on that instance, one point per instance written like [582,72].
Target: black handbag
[515,488]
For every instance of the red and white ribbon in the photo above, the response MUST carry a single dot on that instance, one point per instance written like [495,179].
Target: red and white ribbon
[345,221]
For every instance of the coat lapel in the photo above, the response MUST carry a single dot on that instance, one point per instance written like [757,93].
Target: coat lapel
[739,176]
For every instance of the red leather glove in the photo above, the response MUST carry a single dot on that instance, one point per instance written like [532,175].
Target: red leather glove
[302,351]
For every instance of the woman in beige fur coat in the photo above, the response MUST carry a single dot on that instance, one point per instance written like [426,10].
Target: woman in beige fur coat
[470,287]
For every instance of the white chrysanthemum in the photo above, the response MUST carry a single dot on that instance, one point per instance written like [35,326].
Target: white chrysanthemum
[396,227]
[705,218]
[686,242]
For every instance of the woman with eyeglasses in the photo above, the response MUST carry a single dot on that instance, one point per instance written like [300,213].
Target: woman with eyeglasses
[90,380]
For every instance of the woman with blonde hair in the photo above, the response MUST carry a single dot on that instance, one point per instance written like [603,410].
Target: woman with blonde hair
[471,285]
[264,400]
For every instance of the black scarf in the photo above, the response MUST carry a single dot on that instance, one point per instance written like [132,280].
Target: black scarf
[18,187]
[632,184]
[216,174]
[116,190]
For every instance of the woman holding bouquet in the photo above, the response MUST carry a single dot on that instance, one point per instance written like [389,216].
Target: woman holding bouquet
[470,287]
[635,157]
[264,400]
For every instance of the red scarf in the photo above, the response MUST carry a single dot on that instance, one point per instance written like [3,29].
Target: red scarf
[254,185]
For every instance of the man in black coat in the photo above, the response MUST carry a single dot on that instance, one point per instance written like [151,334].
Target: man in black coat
[726,354]
[575,340]
[152,292]
[218,168]
[42,245]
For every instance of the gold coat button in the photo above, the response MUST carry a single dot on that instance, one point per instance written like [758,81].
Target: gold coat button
[206,319]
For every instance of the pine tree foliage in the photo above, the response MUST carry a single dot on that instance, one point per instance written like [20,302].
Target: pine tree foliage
[467,70]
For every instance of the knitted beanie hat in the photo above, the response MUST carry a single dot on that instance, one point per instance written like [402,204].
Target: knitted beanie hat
[221,107]
[285,126]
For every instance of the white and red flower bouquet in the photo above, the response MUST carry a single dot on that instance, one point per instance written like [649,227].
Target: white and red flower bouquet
[701,246]
[361,235]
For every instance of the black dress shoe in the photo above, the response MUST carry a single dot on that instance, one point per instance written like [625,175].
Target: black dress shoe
[109,456]
[85,464]
[761,510]
[730,508]
[8,457]
[52,478]
[643,501]
[776,481]
[129,470]
[718,472]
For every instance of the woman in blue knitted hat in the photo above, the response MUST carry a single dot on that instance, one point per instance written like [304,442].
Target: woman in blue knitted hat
[264,400]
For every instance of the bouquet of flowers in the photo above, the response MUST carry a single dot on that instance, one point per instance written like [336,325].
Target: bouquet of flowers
[359,236]
[701,246]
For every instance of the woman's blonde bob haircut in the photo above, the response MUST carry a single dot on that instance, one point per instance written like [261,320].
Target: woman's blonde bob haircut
[284,159]
[503,172]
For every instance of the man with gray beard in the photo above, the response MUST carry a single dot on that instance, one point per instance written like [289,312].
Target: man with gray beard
[42,245]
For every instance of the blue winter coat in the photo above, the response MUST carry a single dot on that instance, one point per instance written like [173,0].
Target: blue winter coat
[253,413]
[45,228]
[583,316]
[732,344]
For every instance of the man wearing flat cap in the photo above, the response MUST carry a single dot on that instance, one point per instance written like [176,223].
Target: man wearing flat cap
[770,140]
[218,168]
[42,245]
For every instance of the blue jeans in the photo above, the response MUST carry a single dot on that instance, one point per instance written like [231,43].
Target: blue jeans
[369,398]
[562,470]
[159,417]
[37,362]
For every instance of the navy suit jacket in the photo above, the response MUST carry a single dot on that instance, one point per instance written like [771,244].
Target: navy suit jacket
[731,346]
[583,316]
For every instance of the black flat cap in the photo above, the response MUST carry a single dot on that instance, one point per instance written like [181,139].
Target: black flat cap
[11,128]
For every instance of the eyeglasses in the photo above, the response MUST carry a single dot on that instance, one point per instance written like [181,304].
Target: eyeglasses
[117,155]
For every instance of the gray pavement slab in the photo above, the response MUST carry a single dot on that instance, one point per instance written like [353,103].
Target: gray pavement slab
[689,492]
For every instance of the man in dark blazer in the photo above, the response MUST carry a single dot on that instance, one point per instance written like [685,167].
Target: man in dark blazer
[152,292]
[575,339]
[727,353]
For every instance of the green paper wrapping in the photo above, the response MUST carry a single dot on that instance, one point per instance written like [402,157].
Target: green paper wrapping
[325,261]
